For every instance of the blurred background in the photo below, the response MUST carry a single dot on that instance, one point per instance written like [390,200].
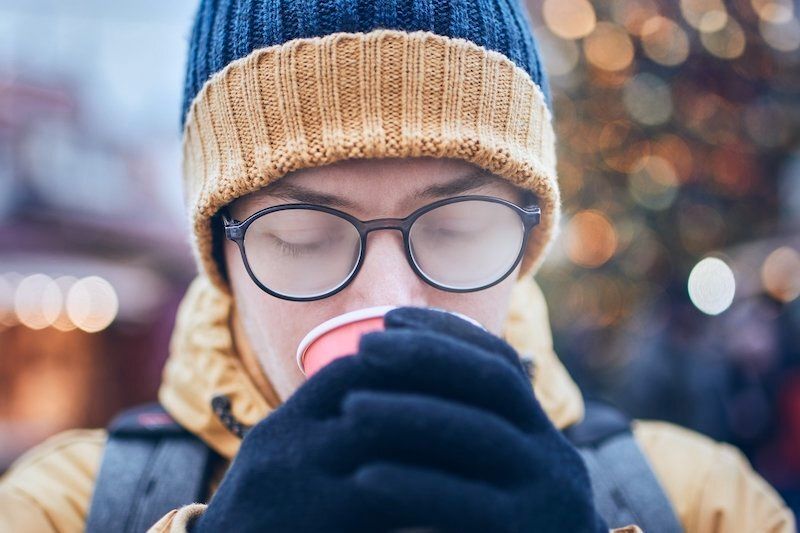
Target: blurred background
[673,291]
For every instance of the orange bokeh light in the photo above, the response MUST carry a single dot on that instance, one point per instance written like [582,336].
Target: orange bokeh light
[591,239]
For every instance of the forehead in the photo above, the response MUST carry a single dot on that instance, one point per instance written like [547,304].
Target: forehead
[379,185]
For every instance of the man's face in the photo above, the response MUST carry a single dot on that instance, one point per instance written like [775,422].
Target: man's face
[377,188]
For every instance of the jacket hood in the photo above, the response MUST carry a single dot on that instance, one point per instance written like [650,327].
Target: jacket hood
[204,363]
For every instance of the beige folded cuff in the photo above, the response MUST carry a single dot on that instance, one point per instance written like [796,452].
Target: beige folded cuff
[387,93]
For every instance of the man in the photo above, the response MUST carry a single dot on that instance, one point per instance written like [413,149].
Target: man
[302,122]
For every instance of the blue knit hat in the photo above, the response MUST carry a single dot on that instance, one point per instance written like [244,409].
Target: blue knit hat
[226,30]
[274,86]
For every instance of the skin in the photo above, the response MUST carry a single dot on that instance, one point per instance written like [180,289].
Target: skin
[272,327]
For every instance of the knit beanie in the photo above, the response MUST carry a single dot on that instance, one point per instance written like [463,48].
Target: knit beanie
[274,86]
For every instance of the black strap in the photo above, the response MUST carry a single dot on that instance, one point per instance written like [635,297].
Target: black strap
[626,490]
[150,466]
[601,421]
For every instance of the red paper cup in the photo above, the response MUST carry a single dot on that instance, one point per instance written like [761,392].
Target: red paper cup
[340,335]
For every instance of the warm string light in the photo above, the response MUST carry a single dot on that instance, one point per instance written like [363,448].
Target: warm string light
[780,274]
[63,322]
[648,99]
[712,286]
[590,239]
[609,47]
[92,304]
[38,301]
[654,185]
[664,41]
[671,119]
[569,19]
[704,15]
[775,11]
[782,35]
[727,41]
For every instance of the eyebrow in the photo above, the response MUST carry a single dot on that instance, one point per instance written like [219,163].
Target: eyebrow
[468,182]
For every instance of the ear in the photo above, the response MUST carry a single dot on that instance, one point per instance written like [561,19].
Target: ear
[219,244]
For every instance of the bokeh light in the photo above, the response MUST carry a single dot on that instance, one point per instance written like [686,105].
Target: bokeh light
[780,274]
[775,11]
[62,322]
[92,304]
[664,41]
[560,56]
[675,150]
[623,146]
[713,21]
[37,301]
[632,14]
[655,184]
[783,35]
[648,99]
[728,42]
[712,286]
[678,136]
[704,15]
[590,239]
[609,47]
[569,19]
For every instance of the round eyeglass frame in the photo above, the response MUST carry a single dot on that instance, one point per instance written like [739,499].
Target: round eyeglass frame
[236,230]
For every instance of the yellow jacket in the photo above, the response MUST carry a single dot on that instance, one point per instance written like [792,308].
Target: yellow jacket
[710,484]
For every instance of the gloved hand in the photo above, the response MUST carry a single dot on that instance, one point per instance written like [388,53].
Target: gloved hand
[432,424]
[461,443]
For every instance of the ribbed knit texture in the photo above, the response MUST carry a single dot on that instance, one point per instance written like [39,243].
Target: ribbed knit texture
[226,30]
[387,93]
[274,86]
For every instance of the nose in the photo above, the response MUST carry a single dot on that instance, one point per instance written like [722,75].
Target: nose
[386,277]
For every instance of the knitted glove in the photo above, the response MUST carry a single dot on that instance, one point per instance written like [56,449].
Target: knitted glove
[458,440]
[432,424]
[294,471]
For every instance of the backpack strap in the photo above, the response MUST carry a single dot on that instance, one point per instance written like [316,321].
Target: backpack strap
[150,466]
[626,490]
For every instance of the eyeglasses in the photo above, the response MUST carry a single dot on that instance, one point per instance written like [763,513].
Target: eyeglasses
[305,252]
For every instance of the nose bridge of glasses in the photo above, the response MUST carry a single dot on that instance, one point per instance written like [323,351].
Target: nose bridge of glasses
[383,223]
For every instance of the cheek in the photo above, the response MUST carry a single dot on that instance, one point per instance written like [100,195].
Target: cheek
[266,320]
[274,327]
[237,275]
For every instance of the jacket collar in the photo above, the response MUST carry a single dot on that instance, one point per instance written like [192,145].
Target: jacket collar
[204,363]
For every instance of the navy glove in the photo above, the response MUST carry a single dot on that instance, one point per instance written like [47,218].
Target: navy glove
[295,469]
[433,424]
[460,442]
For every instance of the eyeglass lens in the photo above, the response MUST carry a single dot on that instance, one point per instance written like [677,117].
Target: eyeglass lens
[303,253]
